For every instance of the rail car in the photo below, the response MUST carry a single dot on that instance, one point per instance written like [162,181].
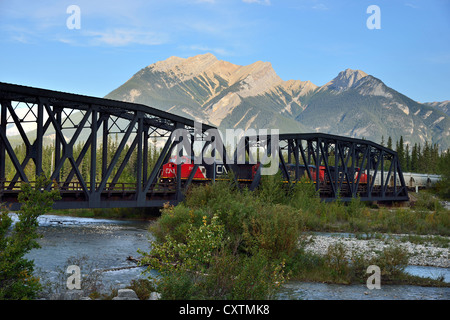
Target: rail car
[420,180]
[205,172]
[412,180]
[323,176]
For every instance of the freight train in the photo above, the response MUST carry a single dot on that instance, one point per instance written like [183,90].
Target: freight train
[246,173]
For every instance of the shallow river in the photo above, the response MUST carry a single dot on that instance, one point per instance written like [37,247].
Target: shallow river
[106,244]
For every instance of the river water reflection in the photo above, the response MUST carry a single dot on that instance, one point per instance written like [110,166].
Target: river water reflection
[101,243]
[107,244]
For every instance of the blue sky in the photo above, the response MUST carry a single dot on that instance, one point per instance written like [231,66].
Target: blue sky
[303,39]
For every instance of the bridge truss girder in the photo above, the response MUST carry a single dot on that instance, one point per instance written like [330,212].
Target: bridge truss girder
[87,123]
[364,169]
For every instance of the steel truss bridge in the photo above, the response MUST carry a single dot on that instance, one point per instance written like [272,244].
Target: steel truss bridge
[81,128]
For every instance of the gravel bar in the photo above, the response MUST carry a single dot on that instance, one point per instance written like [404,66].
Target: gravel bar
[420,254]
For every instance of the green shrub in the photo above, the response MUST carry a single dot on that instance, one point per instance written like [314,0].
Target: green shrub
[359,264]
[337,262]
[306,266]
[176,221]
[258,278]
[426,201]
[275,229]
[273,190]
[303,195]
[355,208]
[221,276]
[392,261]
[16,272]
[177,286]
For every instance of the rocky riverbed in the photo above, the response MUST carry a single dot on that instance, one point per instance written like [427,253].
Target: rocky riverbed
[428,254]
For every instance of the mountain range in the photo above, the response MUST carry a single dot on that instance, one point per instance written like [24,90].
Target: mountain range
[226,95]
[444,106]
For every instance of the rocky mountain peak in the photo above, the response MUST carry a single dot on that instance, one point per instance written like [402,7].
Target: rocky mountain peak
[345,79]
[298,87]
[185,68]
[256,78]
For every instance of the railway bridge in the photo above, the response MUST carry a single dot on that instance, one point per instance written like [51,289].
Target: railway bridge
[78,130]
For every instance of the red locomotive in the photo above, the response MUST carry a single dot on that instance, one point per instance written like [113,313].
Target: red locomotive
[169,170]
[244,172]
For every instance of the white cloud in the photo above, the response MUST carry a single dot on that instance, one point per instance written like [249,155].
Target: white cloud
[320,6]
[123,37]
[219,51]
[411,5]
[263,2]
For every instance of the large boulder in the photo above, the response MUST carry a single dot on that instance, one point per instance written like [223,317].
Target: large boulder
[126,294]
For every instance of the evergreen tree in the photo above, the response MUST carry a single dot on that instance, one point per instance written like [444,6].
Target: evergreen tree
[414,158]
[389,143]
[401,153]
[434,158]
[426,158]
[444,170]
[420,166]
[407,159]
